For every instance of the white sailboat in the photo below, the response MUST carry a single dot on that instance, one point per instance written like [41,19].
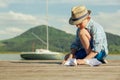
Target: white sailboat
[43,54]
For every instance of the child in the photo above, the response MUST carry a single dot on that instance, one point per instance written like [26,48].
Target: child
[90,39]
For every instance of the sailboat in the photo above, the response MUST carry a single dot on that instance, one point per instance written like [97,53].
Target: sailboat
[43,54]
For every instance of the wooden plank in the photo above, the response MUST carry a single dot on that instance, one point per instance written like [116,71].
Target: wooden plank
[53,70]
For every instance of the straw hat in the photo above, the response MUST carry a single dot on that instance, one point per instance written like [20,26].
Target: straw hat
[78,14]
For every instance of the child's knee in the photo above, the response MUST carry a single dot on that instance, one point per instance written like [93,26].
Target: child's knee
[84,33]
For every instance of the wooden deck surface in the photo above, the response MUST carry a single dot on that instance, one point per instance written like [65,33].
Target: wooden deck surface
[52,70]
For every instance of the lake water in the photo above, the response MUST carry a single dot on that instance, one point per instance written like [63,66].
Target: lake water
[10,57]
[17,57]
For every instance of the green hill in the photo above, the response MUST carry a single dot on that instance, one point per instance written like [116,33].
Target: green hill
[113,43]
[58,41]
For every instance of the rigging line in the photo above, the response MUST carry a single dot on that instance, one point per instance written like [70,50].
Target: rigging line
[47,24]
[39,38]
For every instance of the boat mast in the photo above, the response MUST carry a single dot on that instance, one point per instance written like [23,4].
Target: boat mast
[47,24]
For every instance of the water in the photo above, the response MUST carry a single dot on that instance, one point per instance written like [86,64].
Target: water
[10,57]
[17,57]
[113,57]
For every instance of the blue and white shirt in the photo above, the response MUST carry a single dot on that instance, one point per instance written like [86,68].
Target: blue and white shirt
[98,41]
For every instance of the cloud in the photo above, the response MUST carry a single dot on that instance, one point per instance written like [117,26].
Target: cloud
[13,23]
[3,4]
[20,19]
[110,21]
[28,19]
[10,32]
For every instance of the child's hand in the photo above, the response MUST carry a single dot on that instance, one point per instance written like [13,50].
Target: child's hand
[63,62]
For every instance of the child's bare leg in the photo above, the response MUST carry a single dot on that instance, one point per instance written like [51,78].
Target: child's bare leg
[85,39]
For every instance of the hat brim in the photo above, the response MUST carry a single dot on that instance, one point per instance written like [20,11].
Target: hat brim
[78,21]
[89,11]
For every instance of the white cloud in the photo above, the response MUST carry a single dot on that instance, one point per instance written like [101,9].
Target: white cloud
[110,21]
[14,30]
[13,23]
[28,19]
[3,4]
[10,32]
[20,19]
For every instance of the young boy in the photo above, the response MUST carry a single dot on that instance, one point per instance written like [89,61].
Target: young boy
[90,39]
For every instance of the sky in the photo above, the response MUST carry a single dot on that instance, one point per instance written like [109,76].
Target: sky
[18,16]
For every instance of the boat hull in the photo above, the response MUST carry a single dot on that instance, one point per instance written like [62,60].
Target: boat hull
[32,56]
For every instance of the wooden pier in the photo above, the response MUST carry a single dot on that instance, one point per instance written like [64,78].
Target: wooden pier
[53,70]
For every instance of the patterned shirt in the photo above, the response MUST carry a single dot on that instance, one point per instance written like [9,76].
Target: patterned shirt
[98,41]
